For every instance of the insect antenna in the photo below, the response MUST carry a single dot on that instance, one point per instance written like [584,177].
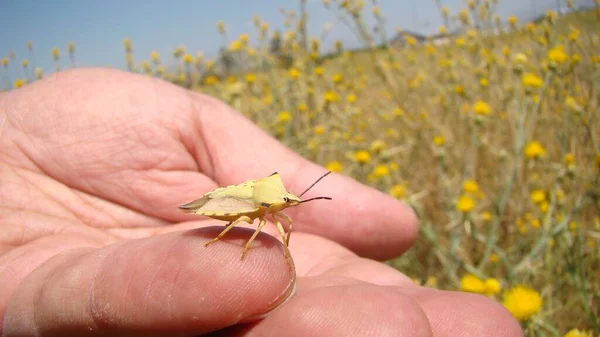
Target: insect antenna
[317,198]
[311,186]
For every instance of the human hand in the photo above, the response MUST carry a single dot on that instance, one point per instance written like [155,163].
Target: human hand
[93,164]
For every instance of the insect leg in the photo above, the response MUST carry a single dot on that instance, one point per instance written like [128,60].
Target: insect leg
[288,256]
[262,223]
[228,227]
[287,218]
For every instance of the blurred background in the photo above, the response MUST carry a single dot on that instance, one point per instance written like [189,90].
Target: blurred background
[482,115]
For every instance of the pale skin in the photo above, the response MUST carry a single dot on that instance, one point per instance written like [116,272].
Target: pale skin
[93,164]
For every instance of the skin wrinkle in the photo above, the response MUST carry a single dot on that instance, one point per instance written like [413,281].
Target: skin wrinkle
[95,312]
[2,125]
[207,167]
[177,272]
[157,268]
[66,185]
[49,197]
[96,203]
[326,264]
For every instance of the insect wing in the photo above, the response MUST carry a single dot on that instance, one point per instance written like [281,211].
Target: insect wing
[229,199]
[226,206]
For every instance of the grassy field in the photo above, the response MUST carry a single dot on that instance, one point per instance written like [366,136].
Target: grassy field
[492,139]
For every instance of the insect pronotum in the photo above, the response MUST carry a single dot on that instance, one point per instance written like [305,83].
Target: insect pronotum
[250,200]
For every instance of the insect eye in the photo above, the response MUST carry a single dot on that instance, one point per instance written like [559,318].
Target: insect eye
[286,199]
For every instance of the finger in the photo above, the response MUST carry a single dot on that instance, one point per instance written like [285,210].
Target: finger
[364,219]
[343,310]
[168,284]
[463,314]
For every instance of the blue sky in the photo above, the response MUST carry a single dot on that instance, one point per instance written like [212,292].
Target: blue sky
[98,27]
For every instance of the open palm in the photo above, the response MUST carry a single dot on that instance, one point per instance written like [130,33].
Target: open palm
[93,166]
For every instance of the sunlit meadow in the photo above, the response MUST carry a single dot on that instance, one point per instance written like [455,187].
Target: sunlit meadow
[489,130]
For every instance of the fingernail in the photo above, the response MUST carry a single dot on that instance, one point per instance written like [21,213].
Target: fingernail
[289,292]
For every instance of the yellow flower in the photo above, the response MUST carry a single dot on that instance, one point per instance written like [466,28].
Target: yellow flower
[470,186]
[531,80]
[126,44]
[330,96]
[210,80]
[19,82]
[351,98]
[523,302]
[334,166]
[472,284]
[268,99]
[284,116]
[362,156]
[484,82]
[319,71]
[294,73]
[465,203]
[538,196]
[579,333]
[459,89]
[397,191]
[398,112]
[512,20]
[155,56]
[481,108]
[534,150]
[572,104]
[569,159]
[188,59]
[24,63]
[491,286]
[250,77]
[4,62]
[494,258]
[56,53]
[573,226]
[486,216]
[337,78]
[319,129]
[439,140]
[381,171]
[558,55]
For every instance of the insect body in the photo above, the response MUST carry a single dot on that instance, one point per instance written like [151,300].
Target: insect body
[246,202]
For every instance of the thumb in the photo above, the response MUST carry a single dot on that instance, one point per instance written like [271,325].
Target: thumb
[167,284]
